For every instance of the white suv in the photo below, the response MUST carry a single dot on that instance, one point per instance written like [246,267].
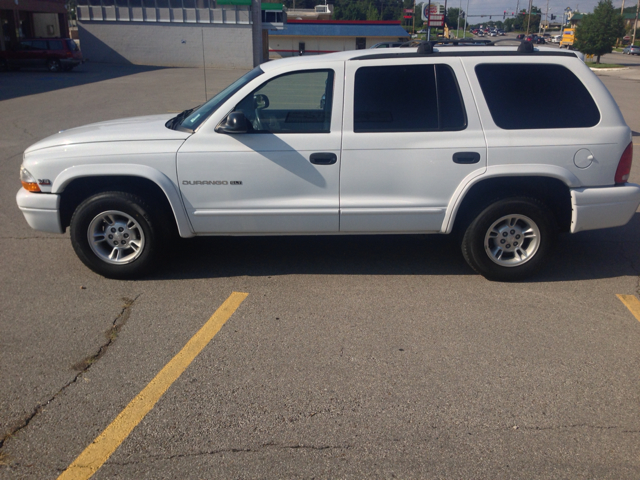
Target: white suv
[427,140]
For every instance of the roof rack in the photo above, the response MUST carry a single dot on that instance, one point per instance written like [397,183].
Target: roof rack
[425,47]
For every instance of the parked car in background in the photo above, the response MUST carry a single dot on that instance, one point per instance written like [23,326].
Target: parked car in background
[55,54]
[631,50]
[540,40]
[556,39]
[520,36]
[387,44]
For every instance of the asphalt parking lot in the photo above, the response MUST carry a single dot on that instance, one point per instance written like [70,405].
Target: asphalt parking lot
[344,357]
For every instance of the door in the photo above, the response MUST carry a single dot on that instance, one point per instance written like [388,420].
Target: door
[282,175]
[411,137]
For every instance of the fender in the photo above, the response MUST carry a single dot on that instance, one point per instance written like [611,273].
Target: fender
[166,185]
[530,170]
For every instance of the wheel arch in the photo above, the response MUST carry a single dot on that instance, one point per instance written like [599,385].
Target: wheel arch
[78,183]
[553,191]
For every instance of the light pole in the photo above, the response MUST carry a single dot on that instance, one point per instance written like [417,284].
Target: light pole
[466,15]
[459,13]
[635,24]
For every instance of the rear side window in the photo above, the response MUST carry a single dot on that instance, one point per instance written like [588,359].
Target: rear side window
[534,96]
[383,103]
[73,46]
[39,45]
[55,45]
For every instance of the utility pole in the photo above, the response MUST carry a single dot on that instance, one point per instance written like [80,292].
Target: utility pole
[635,24]
[466,15]
[429,22]
[529,18]
[256,31]
[622,9]
[459,13]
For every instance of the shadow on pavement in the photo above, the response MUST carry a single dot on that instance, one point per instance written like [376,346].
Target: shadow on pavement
[608,253]
[14,84]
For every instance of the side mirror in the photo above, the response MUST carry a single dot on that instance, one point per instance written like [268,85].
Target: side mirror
[236,123]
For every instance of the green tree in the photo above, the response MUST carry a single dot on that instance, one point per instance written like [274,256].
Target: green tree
[597,32]
[452,17]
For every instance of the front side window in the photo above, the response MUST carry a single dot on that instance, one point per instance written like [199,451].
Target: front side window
[193,118]
[533,96]
[297,102]
[382,103]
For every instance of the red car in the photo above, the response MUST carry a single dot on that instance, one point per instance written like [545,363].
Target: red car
[56,54]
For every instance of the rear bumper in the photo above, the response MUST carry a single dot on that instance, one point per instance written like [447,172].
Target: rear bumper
[41,210]
[604,207]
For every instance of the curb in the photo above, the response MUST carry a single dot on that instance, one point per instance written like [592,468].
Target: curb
[609,69]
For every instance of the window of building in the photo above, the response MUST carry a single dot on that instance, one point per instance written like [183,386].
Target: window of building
[361,43]
[434,105]
[533,96]
[298,102]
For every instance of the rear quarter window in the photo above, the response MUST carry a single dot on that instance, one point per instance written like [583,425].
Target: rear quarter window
[536,96]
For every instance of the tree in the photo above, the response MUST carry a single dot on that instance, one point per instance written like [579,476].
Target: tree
[452,17]
[597,32]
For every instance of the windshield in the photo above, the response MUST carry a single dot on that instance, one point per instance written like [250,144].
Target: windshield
[200,114]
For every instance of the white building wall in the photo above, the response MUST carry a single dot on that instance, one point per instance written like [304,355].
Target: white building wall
[46,25]
[287,46]
[166,44]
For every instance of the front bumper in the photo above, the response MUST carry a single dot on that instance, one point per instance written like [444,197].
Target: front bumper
[603,207]
[41,210]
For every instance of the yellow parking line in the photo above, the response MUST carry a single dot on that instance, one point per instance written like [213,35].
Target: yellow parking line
[94,456]
[632,303]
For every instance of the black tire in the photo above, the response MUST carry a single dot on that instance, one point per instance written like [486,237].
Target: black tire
[136,226]
[530,228]
[53,65]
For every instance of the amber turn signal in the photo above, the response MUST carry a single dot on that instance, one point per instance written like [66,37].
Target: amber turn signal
[32,187]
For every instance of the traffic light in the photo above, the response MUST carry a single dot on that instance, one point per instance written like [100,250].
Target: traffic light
[504,15]
[553,17]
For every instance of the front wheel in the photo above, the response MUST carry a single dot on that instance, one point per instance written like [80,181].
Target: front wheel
[116,235]
[510,239]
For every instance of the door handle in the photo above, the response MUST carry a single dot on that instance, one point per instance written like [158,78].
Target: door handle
[323,158]
[466,157]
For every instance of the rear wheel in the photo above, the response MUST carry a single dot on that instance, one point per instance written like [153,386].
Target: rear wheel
[116,234]
[53,65]
[510,239]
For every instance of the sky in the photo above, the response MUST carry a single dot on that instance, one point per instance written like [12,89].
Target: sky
[555,6]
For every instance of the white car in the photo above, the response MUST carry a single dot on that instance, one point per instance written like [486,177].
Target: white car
[327,145]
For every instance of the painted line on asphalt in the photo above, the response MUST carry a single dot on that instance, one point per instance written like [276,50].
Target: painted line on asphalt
[94,456]
[632,303]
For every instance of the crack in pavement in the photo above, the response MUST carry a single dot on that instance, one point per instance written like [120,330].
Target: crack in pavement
[233,450]
[81,367]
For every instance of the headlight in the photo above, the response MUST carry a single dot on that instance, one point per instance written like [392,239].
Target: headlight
[28,181]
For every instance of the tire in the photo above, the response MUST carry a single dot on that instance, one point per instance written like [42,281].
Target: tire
[53,65]
[510,239]
[134,226]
